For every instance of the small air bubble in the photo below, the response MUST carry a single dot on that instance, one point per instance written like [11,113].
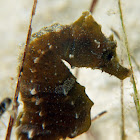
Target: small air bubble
[76,116]
[40,113]
[74,133]
[65,92]
[37,102]
[50,46]
[42,52]
[72,102]
[21,73]
[43,125]
[36,60]
[30,134]
[98,43]
[112,58]
[32,70]
[55,74]
[33,91]
[71,56]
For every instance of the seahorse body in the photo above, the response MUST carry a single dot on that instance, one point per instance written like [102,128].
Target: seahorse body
[55,106]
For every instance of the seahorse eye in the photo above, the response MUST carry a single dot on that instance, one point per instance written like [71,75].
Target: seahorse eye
[107,55]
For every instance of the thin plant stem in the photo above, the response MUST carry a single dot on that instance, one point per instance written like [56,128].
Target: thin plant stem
[15,104]
[123,135]
[98,116]
[136,99]
[93,5]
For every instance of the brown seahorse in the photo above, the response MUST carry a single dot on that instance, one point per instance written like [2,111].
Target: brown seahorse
[55,105]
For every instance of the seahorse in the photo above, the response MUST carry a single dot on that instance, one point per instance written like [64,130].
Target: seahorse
[55,105]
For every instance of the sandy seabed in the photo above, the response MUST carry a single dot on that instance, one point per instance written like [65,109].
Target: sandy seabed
[102,88]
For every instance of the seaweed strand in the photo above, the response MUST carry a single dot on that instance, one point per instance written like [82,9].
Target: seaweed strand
[136,99]
[15,105]
[123,135]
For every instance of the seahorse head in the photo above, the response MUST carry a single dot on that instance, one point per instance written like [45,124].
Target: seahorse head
[92,49]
